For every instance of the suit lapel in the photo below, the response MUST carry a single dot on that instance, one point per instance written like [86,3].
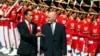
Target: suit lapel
[49,29]
[25,25]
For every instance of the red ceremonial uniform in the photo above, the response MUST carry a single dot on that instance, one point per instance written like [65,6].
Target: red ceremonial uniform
[43,17]
[78,33]
[85,32]
[36,16]
[13,14]
[21,15]
[70,30]
[5,9]
[98,20]
[94,38]
[42,20]
[62,19]
[74,36]
[36,19]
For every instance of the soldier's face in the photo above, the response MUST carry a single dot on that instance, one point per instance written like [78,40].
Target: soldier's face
[29,7]
[29,16]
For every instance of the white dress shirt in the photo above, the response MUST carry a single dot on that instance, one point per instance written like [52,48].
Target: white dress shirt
[53,27]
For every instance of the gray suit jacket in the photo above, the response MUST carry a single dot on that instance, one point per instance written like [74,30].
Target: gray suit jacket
[53,44]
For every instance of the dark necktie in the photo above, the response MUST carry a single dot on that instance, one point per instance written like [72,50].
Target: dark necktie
[51,25]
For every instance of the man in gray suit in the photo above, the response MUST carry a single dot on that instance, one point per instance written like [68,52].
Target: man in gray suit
[54,42]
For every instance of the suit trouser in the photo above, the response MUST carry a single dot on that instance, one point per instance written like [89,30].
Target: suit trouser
[32,53]
[52,53]
[28,55]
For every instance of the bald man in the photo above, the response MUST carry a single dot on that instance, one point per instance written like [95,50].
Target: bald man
[54,42]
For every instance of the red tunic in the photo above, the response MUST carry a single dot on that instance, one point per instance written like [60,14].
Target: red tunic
[84,34]
[5,9]
[76,43]
[21,13]
[13,15]
[42,20]
[94,38]
[62,19]
[36,17]
[70,30]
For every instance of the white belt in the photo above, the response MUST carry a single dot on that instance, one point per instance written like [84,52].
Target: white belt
[75,37]
[67,35]
[38,27]
[90,42]
[81,39]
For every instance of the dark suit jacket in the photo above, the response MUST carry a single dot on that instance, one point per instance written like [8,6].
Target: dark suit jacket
[53,44]
[28,41]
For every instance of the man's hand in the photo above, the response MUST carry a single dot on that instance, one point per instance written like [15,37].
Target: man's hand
[64,55]
[39,34]
[42,54]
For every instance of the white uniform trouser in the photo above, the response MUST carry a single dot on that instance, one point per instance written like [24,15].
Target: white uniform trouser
[2,38]
[14,36]
[6,35]
[17,37]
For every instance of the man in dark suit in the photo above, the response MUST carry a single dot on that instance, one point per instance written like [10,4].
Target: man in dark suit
[28,33]
[54,42]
